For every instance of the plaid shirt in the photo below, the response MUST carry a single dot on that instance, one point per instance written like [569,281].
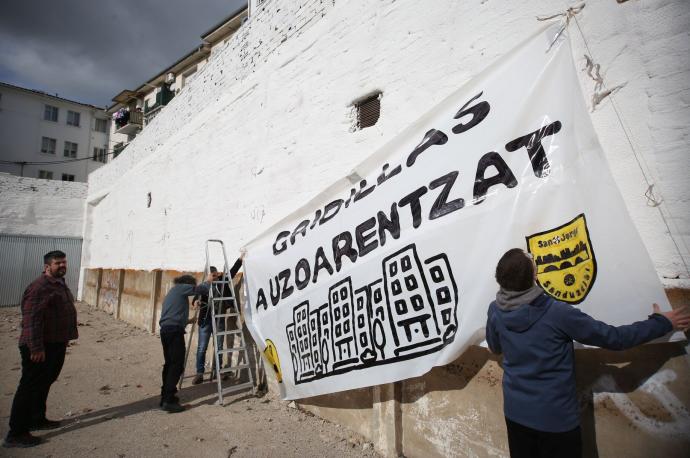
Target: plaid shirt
[48,314]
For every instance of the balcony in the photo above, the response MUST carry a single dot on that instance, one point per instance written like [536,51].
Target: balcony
[163,97]
[117,149]
[131,124]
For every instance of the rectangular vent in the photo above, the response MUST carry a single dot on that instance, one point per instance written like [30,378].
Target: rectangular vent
[368,111]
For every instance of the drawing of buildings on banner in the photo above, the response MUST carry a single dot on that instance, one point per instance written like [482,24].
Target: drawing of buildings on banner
[409,312]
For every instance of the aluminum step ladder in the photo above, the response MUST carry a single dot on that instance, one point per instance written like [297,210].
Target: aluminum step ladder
[223,304]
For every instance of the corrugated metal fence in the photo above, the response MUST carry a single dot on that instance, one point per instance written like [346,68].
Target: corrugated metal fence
[21,261]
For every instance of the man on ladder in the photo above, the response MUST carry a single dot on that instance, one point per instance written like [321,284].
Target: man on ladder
[205,322]
[222,304]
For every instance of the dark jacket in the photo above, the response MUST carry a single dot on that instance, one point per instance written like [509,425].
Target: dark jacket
[175,313]
[538,358]
[204,316]
[48,314]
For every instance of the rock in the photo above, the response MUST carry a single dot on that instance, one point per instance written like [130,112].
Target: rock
[68,414]
[366,446]
[292,405]
[124,385]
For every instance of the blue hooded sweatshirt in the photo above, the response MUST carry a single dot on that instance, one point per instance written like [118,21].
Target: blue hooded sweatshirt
[536,340]
[175,313]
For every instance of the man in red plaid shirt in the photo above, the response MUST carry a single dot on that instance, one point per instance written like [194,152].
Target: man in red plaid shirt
[49,321]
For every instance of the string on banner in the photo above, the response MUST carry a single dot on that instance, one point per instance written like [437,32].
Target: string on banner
[567,15]
[600,92]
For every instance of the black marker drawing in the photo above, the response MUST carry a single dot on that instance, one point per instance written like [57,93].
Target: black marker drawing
[411,311]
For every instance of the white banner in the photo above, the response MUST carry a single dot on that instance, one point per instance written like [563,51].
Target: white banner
[390,271]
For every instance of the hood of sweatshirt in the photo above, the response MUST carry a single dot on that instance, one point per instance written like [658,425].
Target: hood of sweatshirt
[519,310]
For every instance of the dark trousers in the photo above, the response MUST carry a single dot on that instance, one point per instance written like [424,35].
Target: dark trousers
[531,443]
[173,352]
[29,405]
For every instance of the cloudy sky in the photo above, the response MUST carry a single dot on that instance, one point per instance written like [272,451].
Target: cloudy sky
[89,50]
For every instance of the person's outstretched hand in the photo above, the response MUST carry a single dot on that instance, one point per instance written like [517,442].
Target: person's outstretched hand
[680,317]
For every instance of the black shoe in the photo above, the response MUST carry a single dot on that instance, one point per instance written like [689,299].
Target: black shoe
[172,407]
[45,424]
[198,378]
[174,398]
[21,441]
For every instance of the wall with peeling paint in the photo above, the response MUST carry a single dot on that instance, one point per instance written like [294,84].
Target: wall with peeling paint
[268,123]
[31,206]
[633,403]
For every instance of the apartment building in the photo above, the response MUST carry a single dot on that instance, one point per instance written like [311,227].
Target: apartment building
[133,110]
[50,137]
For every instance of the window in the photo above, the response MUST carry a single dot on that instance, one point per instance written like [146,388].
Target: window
[67,177]
[101,125]
[71,149]
[50,113]
[45,175]
[48,145]
[99,155]
[187,75]
[73,118]
[368,111]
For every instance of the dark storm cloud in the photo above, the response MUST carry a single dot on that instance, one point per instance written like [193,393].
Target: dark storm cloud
[89,50]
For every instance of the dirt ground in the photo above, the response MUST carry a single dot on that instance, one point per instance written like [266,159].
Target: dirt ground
[107,395]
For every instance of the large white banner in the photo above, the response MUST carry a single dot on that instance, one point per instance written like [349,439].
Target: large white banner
[390,271]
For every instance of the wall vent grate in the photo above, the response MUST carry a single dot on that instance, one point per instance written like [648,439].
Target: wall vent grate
[368,110]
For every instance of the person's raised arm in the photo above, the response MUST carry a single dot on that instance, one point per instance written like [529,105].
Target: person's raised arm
[583,328]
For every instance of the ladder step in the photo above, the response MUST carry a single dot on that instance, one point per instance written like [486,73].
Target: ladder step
[227,333]
[229,298]
[234,388]
[226,315]
[231,350]
[225,370]
[220,282]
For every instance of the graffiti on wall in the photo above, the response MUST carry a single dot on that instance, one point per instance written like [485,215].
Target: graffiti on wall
[656,386]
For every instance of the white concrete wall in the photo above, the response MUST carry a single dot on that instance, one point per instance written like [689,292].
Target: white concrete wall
[22,126]
[29,206]
[266,123]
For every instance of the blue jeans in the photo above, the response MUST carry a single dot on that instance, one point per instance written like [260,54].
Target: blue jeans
[205,333]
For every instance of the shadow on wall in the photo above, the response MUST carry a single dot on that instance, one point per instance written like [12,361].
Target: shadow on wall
[604,378]
[607,378]
[451,377]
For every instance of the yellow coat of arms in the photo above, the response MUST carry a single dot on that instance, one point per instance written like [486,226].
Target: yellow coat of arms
[566,267]
[271,354]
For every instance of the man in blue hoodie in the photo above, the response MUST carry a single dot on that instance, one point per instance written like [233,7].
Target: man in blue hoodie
[535,333]
[174,319]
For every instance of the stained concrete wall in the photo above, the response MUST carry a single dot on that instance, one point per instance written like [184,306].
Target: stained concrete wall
[136,296]
[109,292]
[633,403]
[92,284]
[136,299]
